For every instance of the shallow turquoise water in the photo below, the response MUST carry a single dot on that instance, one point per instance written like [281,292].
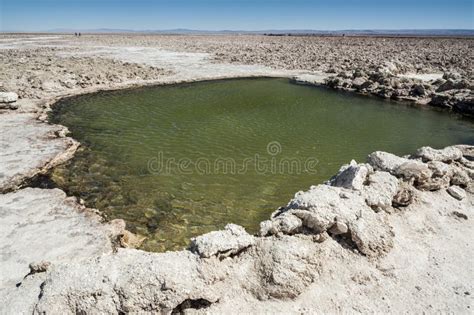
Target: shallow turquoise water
[178,161]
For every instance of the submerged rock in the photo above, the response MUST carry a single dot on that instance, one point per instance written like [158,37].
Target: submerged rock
[131,240]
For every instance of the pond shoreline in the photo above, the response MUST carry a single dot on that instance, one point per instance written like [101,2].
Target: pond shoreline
[210,275]
[179,207]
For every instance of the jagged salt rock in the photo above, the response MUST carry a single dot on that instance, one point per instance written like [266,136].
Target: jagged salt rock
[434,183]
[381,189]
[404,196]
[447,154]
[419,90]
[452,75]
[414,169]
[322,206]
[438,168]
[388,68]
[467,151]
[384,161]
[226,242]
[459,176]
[285,223]
[289,223]
[8,97]
[37,267]
[358,82]
[352,176]
[339,228]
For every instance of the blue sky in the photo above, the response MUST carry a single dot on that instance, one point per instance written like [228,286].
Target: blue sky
[37,15]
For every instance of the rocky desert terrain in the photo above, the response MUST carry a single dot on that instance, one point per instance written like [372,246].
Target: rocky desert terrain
[391,234]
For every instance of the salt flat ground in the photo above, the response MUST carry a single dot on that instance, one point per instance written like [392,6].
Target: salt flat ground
[427,268]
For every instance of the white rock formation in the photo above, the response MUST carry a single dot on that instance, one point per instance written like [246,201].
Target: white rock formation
[380,190]
[351,176]
[447,154]
[457,192]
[8,97]
[130,281]
[227,242]
[383,161]
[427,269]
[323,207]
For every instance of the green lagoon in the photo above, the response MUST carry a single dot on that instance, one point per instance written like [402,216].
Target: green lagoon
[178,161]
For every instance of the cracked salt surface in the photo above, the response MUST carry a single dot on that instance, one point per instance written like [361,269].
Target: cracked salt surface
[186,65]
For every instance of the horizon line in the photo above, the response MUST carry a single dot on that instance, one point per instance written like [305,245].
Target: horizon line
[184,30]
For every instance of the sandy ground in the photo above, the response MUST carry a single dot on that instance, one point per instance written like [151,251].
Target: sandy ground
[428,268]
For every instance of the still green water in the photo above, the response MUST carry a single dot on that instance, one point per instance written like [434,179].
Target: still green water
[179,161]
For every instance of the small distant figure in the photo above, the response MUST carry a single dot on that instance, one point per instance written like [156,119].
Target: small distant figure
[79,34]
[75,34]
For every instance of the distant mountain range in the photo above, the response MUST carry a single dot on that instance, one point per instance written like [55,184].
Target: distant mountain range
[402,32]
